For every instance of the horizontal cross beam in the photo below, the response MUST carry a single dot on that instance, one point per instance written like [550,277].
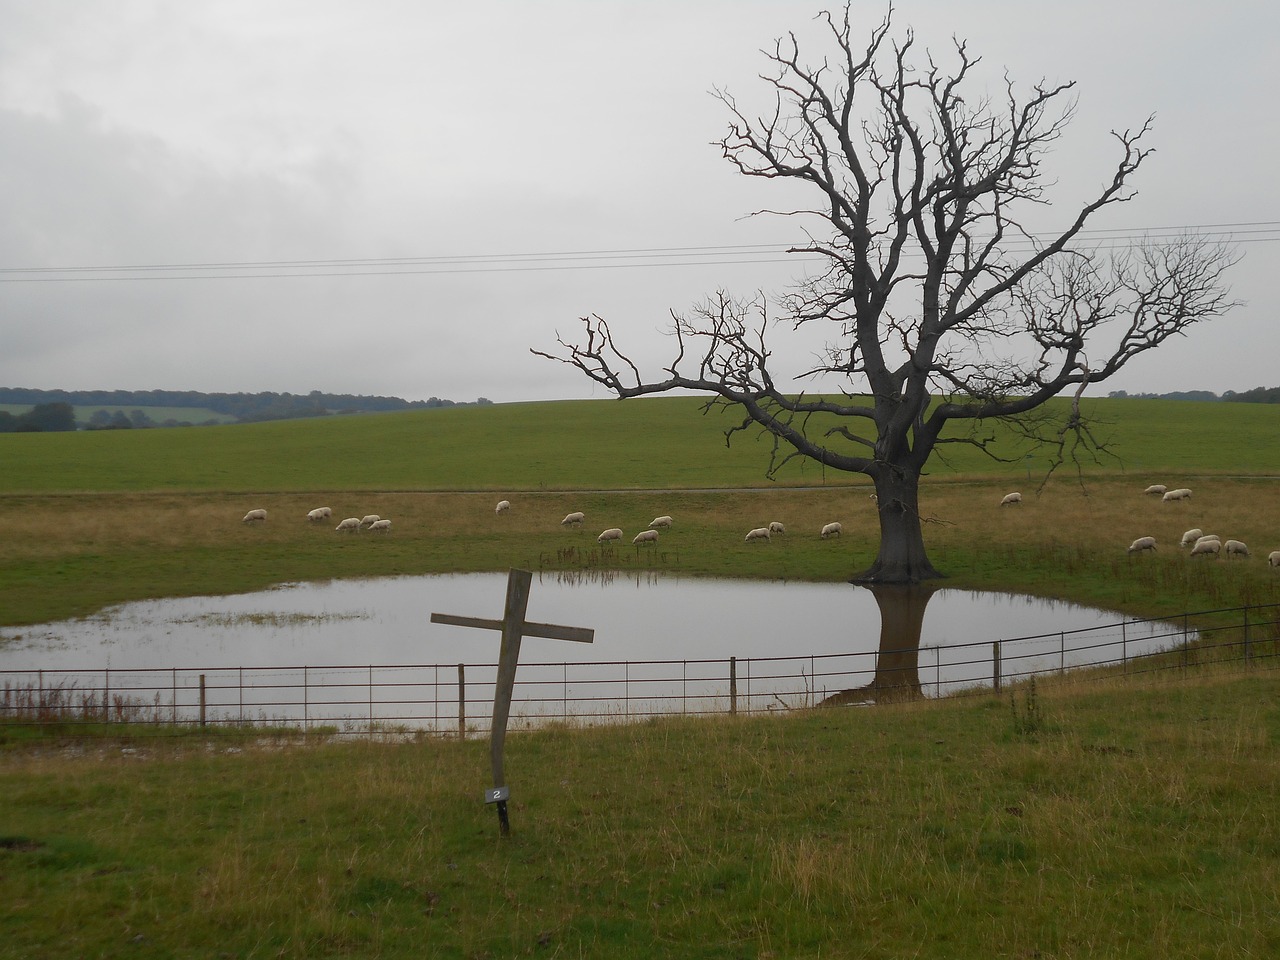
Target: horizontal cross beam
[549,631]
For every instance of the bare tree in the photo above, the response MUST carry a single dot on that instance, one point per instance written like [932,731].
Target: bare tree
[944,309]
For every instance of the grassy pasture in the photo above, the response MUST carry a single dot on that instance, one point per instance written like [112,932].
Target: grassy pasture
[134,514]
[1132,820]
[655,443]
[1088,818]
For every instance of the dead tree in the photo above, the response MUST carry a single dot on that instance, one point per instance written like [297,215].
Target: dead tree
[943,309]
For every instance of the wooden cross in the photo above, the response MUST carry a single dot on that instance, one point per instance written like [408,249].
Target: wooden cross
[514,628]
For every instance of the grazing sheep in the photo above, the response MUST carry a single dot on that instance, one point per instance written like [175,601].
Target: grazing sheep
[1236,548]
[502,507]
[662,522]
[319,513]
[1205,547]
[646,536]
[1273,558]
[831,530]
[1141,544]
[1182,493]
[1191,536]
[382,525]
[370,519]
[1157,488]
[351,524]
[776,527]
[759,533]
[254,516]
[613,533]
[573,519]
[1010,499]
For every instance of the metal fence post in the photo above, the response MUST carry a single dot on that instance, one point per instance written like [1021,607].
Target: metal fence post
[202,700]
[106,695]
[462,702]
[1124,648]
[1246,636]
[733,685]
[995,665]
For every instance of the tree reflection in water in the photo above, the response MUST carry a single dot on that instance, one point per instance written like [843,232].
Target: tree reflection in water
[897,675]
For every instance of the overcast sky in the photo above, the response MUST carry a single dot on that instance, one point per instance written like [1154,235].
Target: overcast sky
[270,135]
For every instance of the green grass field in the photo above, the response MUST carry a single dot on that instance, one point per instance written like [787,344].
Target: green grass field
[1085,817]
[90,519]
[579,445]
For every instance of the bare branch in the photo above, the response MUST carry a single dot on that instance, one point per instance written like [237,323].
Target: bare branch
[943,309]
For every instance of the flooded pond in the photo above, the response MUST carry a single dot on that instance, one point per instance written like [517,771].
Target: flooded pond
[364,652]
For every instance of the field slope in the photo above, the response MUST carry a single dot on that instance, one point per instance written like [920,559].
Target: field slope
[579,445]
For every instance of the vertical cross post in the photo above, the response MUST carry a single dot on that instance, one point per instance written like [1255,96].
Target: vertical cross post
[514,628]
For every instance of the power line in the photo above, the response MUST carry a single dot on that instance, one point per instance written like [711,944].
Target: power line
[1103,239]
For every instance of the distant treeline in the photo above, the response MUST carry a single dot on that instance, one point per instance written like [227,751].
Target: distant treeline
[245,407]
[1256,395]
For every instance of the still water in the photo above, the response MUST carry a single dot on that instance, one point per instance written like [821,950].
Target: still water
[363,654]
[386,621]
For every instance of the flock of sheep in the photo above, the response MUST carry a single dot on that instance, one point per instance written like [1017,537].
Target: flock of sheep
[350,525]
[650,535]
[1201,544]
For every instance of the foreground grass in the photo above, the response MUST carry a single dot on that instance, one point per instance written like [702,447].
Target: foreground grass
[1131,821]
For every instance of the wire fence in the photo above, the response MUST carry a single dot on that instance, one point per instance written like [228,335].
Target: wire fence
[456,699]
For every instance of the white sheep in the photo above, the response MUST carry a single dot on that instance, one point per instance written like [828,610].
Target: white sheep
[613,533]
[1236,548]
[351,524]
[1191,536]
[573,519]
[1182,493]
[1206,546]
[1273,558]
[1157,488]
[254,516]
[319,513]
[663,522]
[831,530]
[646,536]
[502,507]
[369,519]
[776,527]
[381,525]
[1010,499]
[759,533]
[1141,544]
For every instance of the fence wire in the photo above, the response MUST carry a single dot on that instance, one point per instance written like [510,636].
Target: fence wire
[456,699]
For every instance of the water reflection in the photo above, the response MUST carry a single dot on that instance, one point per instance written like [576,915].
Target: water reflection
[658,638]
[897,671]
[637,616]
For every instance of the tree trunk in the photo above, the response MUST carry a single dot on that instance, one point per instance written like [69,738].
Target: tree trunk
[902,557]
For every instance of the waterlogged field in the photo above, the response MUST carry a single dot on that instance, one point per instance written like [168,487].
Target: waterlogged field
[1083,818]
[90,519]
